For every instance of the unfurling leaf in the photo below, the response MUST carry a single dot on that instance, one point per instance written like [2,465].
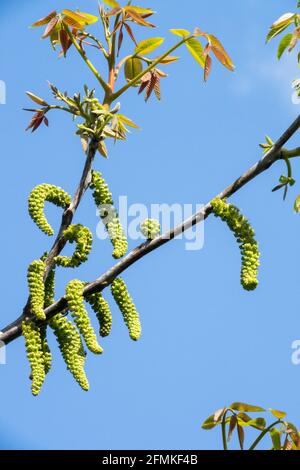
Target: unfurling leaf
[128,122]
[102,149]
[137,18]
[148,45]
[36,99]
[297,204]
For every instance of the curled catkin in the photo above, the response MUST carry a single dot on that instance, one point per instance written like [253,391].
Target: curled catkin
[102,310]
[71,348]
[34,349]
[35,277]
[75,299]
[244,234]
[127,307]
[109,215]
[36,204]
[83,238]
[150,228]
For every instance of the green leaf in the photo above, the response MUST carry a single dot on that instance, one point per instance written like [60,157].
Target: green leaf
[180,32]
[278,414]
[284,44]
[297,204]
[111,3]
[275,436]
[196,50]
[81,18]
[258,423]
[36,99]
[210,423]
[148,45]
[237,406]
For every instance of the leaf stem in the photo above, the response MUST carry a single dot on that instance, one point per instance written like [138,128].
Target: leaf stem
[294,153]
[263,433]
[102,82]
[131,83]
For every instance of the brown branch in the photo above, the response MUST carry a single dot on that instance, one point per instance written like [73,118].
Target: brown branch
[13,330]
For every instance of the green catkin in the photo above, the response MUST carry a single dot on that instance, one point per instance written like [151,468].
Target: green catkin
[50,289]
[244,234]
[47,356]
[35,354]
[75,299]
[71,348]
[127,307]
[84,239]
[150,228]
[36,204]
[102,310]
[103,200]
[35,277]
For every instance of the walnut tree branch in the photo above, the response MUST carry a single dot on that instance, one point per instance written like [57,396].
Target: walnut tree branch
[14,330]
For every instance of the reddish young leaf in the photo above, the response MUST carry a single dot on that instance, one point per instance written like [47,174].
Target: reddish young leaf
[44,20]
[138,18]
[50,28]
[46,121]
[65,41]
[241,436]
[36,121]
[157,87]
[207,67]
[145,80]
[220,52]
[114,11]
[120,41]
[130,32]
[74,24]
[152,84]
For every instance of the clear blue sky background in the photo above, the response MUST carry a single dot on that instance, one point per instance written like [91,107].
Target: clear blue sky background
[205,341]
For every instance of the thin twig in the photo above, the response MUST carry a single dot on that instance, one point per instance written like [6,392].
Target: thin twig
[14,330]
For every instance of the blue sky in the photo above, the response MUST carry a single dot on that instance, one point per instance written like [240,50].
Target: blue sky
[206,342]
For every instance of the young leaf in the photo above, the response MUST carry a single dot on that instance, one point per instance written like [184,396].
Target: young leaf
[297,204]
[287,18]
[278,414]
[137,18]
[180,32]
[196,49]
[44,20]
[142,11]
[169,59]
[232,425]
[220,52]
[83,19]
[127,121]
[112,3]
[237,406]
[210,423]
[284,44]
[148,45]
[207,67]
[102,149]
[241,436]
[275,436]
[50,28]
[36,99]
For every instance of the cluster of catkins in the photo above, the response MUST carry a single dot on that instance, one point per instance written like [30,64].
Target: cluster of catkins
[244,234]
[41,285]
